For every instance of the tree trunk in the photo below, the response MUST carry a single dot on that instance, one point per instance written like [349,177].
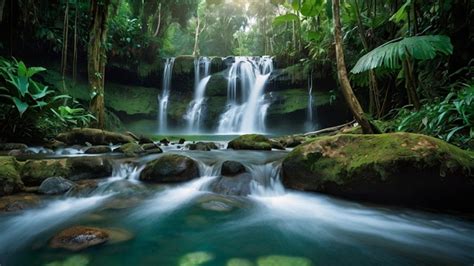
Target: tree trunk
[347,91]
[97,59]
[158,24]
[196,37]
[2,6]
[65,44]
[74,56]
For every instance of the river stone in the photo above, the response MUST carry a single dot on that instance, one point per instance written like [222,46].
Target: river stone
[94,136]
[79,237]
[10,181]
[232,168]
[202,146]
[55,185]
[12,146]
[89,168]
[34,172]
[170,168]
[250,142]
[98,149]
[145,140]
[150,146]
[131,149]
[217,206]
[238,185]
[18,202]
[195,258]
[397,168]
[181,141]
[283,261]
[239,262]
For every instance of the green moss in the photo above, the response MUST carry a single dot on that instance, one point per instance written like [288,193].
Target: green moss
[131,100]
[250,142]
[183,64]
[288,101]
[10,180]
[36,171]
[283,261]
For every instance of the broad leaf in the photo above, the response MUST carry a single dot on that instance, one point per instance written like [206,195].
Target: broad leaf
[284,19]
[33,70]
[402,13]
[23,85]
[22,70]
[311,8]
[20,105]
[391,54]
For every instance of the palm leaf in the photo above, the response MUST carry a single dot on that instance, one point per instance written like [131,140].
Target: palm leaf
[391,54]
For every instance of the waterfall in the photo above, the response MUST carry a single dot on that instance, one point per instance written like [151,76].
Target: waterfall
[309,112]
[163,99]
[195,111]
[246,105]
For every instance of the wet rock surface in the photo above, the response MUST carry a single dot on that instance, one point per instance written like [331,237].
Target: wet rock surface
[170,168]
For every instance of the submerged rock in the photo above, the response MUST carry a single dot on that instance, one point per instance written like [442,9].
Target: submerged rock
[250,142]
[94,136]
[232,168]
[238,185]
[217,206]
[202,146]
[195,258]
[98,149]
[10,181]
[18,202]
[77,260]
[55,185]
[170,168]
[398,168]
[239,262]
[283,261]
[79,237]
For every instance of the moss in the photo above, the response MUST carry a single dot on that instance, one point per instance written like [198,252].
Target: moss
[250,142]
[10,181]
[217,85]
[132,100]
[288,101]
[36,171]
[183,64]
[394,167]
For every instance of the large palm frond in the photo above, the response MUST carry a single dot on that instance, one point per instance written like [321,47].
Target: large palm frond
[391,54]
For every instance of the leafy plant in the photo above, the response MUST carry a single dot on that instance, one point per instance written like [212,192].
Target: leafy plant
[451,119]
[73,116]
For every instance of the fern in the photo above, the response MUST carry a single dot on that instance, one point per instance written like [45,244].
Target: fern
[391,54]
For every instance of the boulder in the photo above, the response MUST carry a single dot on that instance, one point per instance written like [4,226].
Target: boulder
[12,146]
[89,168]
[54,144]
[250,142]
[398,168]
[164,141]
[202,146]
[181,141]
[55,185]
[150,146]
[238,185]
[144,140]
[232,168]
[78,238]
[10,180]
[93,136]
[98,149]
[131,149]
[170,168]
[34,172]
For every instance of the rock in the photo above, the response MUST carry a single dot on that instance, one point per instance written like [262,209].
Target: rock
[117,235]
[83,188]
[196,258]
[88,168]
[202,146]
[238,185]
[165,141]
[54,144]
[170,168]
[98,149]
[10,181]
[12,146]
[398,168]
[239,262]
[76,260]
[131,149]
[283,261]
[277,145]
[144,140]
[135,137]
[250,142]
[232,168]
[217,206]
[18,202]
[181,141]
[150,146]
[93,136]
[34,172]
[55,185]
[154,151]
[78,238]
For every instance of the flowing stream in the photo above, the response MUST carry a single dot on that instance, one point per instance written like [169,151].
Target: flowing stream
[172,223]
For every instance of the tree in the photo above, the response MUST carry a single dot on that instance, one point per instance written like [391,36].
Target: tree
[97,58]
[347,91]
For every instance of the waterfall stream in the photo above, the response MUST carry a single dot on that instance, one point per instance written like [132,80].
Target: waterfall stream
[164,98]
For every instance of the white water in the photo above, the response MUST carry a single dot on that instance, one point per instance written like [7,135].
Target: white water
[195,112]
[20,230]
[246,105]
[309,112]
[164,98]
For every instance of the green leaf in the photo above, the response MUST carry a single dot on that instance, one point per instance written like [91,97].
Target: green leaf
[402,13]
[34,70]
[453,131]
[23,85]
[284,19]
[20,105]
[311,8]
[391,54]
[22,70]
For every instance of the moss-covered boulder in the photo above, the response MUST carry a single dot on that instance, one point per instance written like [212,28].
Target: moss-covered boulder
[250,142]
[217,85]
[170,168]
[34,172]
[98,149]
[398,168]
[202,146]
[10,181]
[93,136]
[131,149]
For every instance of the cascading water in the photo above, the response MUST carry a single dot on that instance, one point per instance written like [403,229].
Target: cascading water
[309,111]
[195,111]
[164,98]
[246,105]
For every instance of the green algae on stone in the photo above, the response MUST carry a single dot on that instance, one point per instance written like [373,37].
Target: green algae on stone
[76,260]
[196,258]
[250,142]
[10,181]
[279,260]
[239,262]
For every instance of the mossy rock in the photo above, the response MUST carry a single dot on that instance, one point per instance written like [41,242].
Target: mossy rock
[291,100]
[131,149]
[396,168]
[217,85]
[170,168]
[250,142]
[10,181]
[34,172]
[183,64]
[93,136]
[139,100]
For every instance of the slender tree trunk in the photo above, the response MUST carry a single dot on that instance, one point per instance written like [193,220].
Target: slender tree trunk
[196,37]
[158,24]
[65,44]
[410,84]
[347,91]
[97,59]
[74,57]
